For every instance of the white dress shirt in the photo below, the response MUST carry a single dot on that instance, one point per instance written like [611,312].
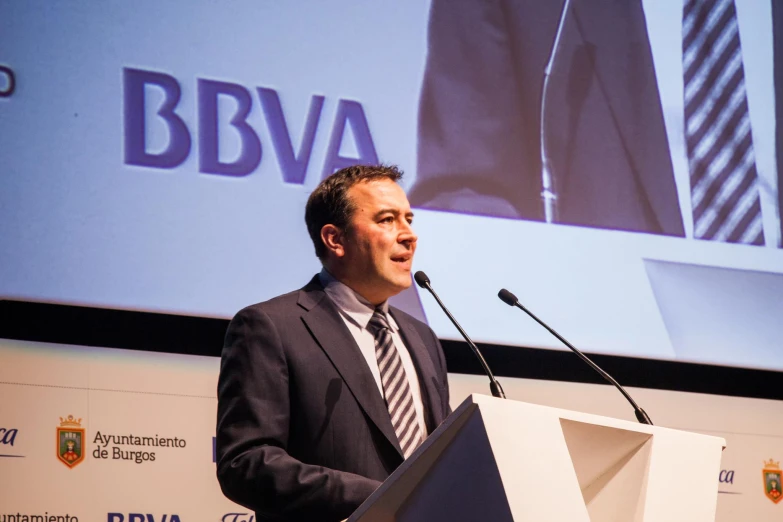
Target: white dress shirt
[356,311]
[754,17]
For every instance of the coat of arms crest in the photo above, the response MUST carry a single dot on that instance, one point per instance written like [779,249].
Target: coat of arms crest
[70,441]
[772,479]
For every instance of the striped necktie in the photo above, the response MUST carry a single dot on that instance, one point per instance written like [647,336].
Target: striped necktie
[724,183]
[396,388]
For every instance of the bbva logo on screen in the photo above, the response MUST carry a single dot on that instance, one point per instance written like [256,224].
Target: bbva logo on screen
[293,165]
[139,517]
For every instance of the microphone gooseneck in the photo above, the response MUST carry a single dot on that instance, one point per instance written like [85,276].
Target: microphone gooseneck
[424,282]
[549,191]
[511,300]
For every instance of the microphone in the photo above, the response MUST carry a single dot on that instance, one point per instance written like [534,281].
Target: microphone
[511,300]
[549,192]
[494,386]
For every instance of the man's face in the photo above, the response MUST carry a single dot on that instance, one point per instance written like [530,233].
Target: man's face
[379,242]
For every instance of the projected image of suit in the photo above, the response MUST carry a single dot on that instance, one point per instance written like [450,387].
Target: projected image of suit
[657,117]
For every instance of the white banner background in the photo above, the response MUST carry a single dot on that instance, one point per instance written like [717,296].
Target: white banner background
[121,392]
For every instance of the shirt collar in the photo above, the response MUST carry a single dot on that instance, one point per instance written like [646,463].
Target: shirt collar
[352,305]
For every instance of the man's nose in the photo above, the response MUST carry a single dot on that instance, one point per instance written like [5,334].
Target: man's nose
[407,235]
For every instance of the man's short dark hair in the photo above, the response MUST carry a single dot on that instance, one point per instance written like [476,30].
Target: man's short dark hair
[329,203]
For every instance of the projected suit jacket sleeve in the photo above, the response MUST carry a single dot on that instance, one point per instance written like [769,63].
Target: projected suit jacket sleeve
[303,432]
[479,115]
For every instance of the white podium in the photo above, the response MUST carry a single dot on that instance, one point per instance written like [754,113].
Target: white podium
[501,460]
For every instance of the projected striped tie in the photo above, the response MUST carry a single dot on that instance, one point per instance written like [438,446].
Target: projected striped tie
[396,388]
[724,183]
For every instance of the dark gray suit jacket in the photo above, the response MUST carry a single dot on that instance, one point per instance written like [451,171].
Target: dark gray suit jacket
[479,116]
[302,430]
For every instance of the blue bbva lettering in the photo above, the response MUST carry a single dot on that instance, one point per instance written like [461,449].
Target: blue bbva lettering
[349,113]
[250,155]
[8,436]
[139,517]
[293,163]
[134,84]
[293,166]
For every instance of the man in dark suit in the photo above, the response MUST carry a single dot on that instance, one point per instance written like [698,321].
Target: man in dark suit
[480,115]
[309,421]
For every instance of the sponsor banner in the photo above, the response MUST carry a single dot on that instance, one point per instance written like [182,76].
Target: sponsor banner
[134,435]
[108,432]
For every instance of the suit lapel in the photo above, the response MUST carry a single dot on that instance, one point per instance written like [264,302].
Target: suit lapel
[425,369]
[777,54]
[614,35]
[328,328]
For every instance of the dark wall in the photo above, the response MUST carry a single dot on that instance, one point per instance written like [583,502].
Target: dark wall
[204,336]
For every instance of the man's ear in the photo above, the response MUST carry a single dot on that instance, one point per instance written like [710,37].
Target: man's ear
[333,239]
